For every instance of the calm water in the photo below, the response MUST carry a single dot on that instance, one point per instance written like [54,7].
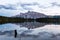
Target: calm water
[30,31]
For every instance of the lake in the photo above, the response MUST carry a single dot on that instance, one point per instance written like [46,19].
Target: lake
[30,31]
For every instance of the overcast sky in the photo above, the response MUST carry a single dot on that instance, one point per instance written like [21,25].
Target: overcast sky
[14,7]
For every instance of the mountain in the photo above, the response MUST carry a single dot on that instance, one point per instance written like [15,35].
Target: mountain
[31,14]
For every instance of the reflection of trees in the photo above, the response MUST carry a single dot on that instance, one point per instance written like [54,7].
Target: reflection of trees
[19,19]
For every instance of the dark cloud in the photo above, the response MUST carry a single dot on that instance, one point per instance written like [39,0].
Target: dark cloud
[14,7]
[29,4]
[55,4]
[41,6]
[7,7]
[26,5]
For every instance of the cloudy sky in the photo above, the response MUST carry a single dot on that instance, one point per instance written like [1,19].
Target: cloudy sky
[14,7]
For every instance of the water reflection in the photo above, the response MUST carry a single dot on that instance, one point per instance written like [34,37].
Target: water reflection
[31,25]
[38,31]
[8,26]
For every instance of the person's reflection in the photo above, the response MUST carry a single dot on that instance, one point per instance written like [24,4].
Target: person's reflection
[15,35]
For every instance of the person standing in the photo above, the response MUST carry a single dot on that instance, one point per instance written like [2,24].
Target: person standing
[15,35]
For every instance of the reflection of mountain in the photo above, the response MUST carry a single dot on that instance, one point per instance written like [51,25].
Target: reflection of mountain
[31,14]
[31,25]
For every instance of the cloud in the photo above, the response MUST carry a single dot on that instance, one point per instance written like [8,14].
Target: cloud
[8,1]
[5,12]
[7,7]
[44,6]
[27,6]
[55,4]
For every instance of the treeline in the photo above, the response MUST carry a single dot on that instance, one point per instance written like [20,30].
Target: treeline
[14,19]
[18,19]
[48,20]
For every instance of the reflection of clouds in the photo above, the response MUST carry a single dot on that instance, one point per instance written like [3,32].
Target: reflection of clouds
[9,26]
[27,35]
[49,28]
[48,32]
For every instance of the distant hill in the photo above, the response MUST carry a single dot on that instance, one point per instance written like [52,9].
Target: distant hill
[56,16]
[31,14]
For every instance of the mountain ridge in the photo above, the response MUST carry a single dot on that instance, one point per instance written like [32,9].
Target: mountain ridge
[32,15]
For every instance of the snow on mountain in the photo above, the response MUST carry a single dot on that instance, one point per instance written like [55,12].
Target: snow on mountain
[31,14]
